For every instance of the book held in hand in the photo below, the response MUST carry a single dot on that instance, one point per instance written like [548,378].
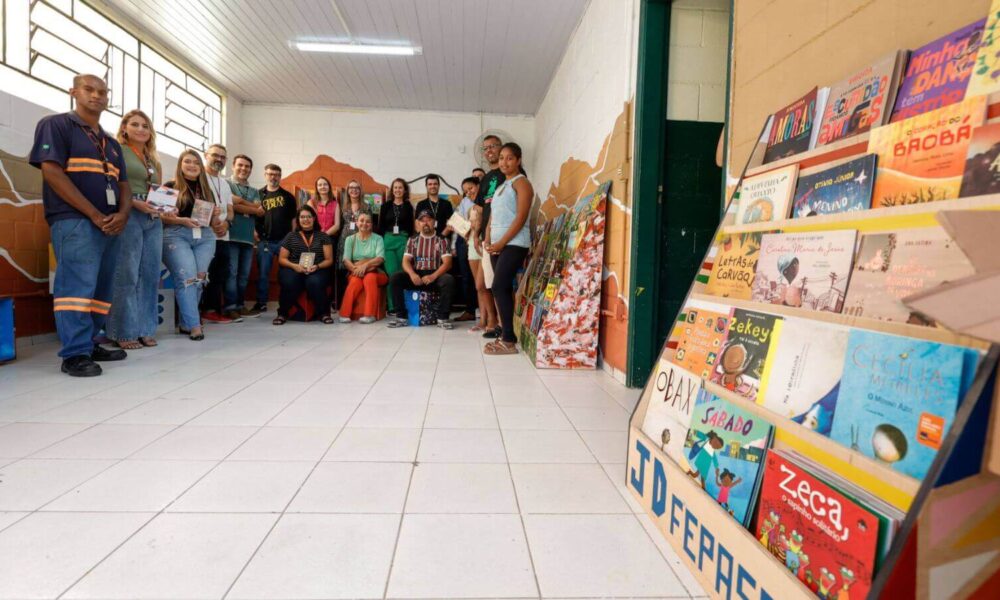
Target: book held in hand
[163,198]
[891,266]
[460,224]
[922,159]
[668,415]
[202,212]
[806,270]
[863,100]
[825,539]
[937,73]
[845,187]
[725,450]
[767,196]
[307,259]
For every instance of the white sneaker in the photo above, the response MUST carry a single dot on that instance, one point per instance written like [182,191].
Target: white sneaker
[366,320]
[344,320]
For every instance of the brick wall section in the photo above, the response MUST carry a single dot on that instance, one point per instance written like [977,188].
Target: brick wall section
[699,55]
[782,48]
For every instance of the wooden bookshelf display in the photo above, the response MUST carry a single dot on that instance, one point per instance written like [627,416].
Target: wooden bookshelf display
[725,557]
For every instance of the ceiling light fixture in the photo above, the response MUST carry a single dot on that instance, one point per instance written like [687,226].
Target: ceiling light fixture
[357,48]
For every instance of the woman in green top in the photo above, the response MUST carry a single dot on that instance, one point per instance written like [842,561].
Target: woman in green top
[354,206]
[133,318]
[364,255]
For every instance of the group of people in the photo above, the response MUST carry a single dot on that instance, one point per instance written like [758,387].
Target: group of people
[109,238]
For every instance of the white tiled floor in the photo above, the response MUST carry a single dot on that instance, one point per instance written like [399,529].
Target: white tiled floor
[313,461]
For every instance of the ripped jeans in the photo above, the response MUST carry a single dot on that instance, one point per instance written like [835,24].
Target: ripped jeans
[187,259]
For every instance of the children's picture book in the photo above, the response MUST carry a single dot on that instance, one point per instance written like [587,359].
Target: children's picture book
[862,100]
[982,163]
[201,211]
[821,536]
[162,198]
[734,265]
[898,396]
[842,188]
[937,73]
[767,196]
[922,159]
[668,414]
[307,259]
[699,333]
[740,366]
[805,270]
[802,372]
[725,450]
[892,266]
[374,201]
[985,78]
[792,128]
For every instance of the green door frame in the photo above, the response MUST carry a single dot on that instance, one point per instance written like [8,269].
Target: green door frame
[647,171]
[650,145]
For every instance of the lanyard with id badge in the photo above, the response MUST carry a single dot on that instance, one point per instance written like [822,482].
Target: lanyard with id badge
[109,193]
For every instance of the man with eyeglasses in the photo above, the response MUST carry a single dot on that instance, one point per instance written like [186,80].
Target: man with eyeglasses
[272,227]
[212,301]
[487,187]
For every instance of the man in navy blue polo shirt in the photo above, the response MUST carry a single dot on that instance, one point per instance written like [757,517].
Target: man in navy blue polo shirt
[87,202]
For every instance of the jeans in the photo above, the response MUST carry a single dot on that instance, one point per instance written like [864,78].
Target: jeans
[505,266]
[267,254]
[465,272]
[84,285]
[137,279]
[240,259]
[218,270]
[314,284]
[444,285]
[187,259]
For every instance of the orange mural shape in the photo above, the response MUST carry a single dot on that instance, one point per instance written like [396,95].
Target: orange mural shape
[339,174]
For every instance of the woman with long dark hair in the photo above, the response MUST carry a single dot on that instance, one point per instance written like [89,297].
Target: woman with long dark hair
[395,224]
[296,274]
[132,320]
[189,243]
[508,239]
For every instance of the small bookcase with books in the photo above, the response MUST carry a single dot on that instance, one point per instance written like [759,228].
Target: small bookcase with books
[802,414]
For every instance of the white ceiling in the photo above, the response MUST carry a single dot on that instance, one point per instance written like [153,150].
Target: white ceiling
[493,56]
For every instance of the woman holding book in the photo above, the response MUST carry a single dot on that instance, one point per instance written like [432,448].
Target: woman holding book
[364,256]
[507,241]
[395,224]
[132,320]
[304,263]
[354,206]
[189,238]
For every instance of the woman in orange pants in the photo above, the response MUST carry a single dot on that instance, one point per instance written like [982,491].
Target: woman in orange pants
[364,255]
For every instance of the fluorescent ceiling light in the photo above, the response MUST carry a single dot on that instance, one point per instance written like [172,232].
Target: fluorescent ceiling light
[357,48]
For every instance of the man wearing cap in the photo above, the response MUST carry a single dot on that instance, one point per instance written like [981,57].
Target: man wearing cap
[87,202]
[426,263]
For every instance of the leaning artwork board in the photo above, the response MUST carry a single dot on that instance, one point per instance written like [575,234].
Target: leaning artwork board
[726,558]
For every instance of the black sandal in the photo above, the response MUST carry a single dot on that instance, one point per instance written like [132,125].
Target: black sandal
[327,320]
[279,320]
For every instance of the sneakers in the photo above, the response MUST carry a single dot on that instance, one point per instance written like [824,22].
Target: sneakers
[492,334]
[260,308]
[214,317]
[395,322]
[249,312]
[366,320]
[445,323]
[344,320]
[81,366]
[235,316]
[102,354]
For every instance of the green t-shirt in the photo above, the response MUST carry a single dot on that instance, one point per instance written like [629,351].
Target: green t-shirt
[356,249]
[242,228]
[139,178]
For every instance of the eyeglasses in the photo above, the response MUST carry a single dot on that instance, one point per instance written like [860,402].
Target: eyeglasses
[490,146]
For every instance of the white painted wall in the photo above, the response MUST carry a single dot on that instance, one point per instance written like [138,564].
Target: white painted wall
[594,80]
[699,55]
[386,144]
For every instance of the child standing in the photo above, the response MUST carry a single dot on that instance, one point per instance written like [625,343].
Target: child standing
[487,309]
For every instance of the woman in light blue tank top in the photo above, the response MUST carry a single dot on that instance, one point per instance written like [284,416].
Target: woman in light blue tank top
[508,239]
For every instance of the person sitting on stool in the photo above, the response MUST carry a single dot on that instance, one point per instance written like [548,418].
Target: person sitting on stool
[296,274]
[426,263]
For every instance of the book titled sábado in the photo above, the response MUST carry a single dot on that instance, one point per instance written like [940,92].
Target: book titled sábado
[845,187]
[806,270]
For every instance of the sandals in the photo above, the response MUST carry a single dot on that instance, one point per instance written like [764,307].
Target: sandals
[477,328]
[194,337]
[279,320]
[130,344]
[149,342]
[499,348]
[327,320]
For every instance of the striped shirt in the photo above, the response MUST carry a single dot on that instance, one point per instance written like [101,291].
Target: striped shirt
[427,253]
[295,245]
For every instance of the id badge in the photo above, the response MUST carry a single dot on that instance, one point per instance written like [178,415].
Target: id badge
[109,194]
[196,233]
[353,225]
[395,229]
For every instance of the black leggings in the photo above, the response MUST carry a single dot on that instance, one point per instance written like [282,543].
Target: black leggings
[505,266]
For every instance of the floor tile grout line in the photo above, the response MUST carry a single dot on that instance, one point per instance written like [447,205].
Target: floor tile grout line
[186,490]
